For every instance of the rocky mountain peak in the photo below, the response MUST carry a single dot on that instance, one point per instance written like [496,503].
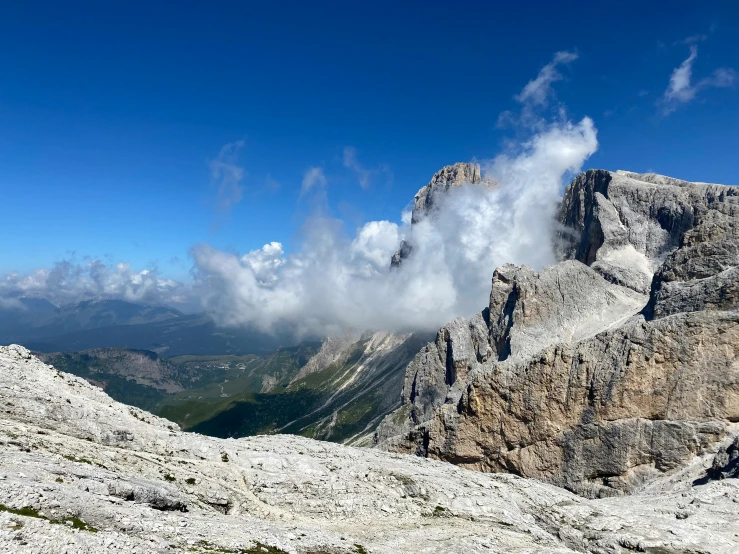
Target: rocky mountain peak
[447,177]
[624,224]
[613,373]
[606,370]
[428,197]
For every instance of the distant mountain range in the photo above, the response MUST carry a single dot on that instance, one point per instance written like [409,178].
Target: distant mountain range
[338,390]
[39,325]
[37,317]
[226,382]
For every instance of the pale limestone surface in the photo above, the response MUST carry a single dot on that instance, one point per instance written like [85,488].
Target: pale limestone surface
[69,450]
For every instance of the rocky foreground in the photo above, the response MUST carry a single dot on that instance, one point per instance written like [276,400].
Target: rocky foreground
[81,473]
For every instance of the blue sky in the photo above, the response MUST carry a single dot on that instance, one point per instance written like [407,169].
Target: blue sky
[112,113]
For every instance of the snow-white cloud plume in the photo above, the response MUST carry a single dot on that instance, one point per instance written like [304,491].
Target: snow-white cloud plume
[340,279]
[538,91]
[681,88]
[226,176]
[265,262]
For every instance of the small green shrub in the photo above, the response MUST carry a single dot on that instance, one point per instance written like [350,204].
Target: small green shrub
[28,511]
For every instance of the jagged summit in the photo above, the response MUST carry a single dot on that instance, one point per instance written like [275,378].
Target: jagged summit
[447,177]
[624,225]
[427,197]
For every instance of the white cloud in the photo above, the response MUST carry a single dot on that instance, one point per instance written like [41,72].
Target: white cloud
[265,262]
[364,175]
[681,90]
[11,303]
[693,39]
[351,162]
[313,178]
[226,176]
[369,249]
[722,77]
[338,280]
[69,281]
[537,91]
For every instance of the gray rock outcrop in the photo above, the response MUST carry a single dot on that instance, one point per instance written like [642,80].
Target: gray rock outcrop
[362,377]
[624,224]
[334,350]
[725,464]
[606,370]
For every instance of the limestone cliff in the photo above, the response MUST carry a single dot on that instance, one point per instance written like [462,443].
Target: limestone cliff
[598,373]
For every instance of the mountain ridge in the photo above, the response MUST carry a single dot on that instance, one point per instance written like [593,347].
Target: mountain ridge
[600,412]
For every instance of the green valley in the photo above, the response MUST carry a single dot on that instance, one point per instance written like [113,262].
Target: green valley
[337,391]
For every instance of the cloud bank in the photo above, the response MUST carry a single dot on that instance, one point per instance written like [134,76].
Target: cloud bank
[69,281]
[339,278]
[337,281]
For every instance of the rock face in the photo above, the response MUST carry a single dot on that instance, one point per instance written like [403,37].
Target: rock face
[334,349]
[573,374]
[429,196]
[725,463]
[360,378]
[80,473]
[625,224]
